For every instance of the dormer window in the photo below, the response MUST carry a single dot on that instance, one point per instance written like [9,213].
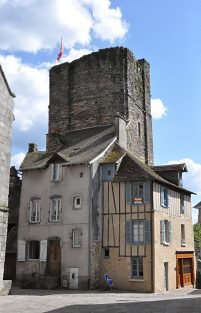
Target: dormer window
[56,172]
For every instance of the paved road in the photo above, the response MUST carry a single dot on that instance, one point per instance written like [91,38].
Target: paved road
[61,301]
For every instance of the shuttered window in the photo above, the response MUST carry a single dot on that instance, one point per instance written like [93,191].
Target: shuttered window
[166,231]
[138,232]
[164,197]
[137,193]
[21,250]
[33,250]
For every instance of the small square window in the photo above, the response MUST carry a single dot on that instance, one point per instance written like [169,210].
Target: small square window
[77,202]
[106,252]
[109,173]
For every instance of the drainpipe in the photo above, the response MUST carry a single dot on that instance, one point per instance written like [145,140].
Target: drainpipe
[153,269]
[90,166]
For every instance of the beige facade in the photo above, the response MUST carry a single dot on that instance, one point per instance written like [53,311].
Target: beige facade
[159,257]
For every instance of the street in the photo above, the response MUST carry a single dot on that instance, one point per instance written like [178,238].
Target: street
[65,301]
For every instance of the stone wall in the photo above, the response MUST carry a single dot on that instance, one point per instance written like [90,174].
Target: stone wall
[92,90]
[6,119]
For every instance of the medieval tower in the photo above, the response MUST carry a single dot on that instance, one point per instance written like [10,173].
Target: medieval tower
[94,89]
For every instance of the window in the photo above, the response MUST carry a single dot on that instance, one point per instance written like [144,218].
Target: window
[139,129]
[164,197]
[181,203]
[137,267]
[55,209]
[108,172]
[183,237]
[106,252]
[166,232]
[77,202]
[77,234]
[138,232]
[56,174]
[137,193]
[33,250]
[34,211]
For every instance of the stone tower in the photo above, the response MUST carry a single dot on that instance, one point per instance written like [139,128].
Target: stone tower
[6,120]
[94,89]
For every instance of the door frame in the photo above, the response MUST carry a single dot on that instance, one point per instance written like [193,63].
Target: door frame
[180,256]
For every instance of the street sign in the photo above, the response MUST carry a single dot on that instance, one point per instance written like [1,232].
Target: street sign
[108,280]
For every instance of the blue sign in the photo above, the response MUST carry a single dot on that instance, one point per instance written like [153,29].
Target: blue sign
[108,280]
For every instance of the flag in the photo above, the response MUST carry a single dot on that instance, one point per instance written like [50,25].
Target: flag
[61,51]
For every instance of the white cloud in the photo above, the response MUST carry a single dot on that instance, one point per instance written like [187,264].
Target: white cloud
[30,84]
[77,21]
[158,109]
[75,54]
[17,159]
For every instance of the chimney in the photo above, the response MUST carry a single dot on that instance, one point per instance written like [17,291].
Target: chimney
[121,131]
[32,147]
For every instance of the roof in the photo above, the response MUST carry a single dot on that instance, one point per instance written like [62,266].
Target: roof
[131,168]
[198,205]
[80,147]
[170,167]
[6,82]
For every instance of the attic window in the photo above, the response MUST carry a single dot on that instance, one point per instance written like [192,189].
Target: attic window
[56,172]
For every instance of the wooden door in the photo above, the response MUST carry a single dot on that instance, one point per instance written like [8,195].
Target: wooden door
[185,269]
[54,257]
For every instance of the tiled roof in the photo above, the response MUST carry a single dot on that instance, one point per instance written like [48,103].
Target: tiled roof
[170,167]
[132,169]
[79,147]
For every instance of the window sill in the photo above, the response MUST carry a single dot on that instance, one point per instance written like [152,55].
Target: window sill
[30,222]
[166,243]
[136,279]
[183,244]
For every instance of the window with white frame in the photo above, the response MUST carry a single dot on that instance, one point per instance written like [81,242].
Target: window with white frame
[164,197]
[76,237]
[34,211]
[55,209]
[137,267]
[138,232]
[33,250]
[56,172]
[137,192]
[77,204]
[166,232]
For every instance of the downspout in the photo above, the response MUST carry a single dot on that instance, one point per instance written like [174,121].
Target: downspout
[90,223]
[153,269]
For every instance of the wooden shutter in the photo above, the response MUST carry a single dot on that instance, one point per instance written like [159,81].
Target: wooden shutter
[43,250]
[169,231]
[162,229]
[146,186]
[128,231]
[128,193]
[21,250]
[30,211]
[162,195]
[52,172]
[147,228]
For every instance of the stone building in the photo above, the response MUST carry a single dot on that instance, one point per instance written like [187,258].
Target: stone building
[93,202]
[11,244]
[6,120]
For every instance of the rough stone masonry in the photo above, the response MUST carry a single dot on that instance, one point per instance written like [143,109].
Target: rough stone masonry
[94,89]
[6,120]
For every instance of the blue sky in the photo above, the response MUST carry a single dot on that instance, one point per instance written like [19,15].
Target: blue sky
[166,33]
